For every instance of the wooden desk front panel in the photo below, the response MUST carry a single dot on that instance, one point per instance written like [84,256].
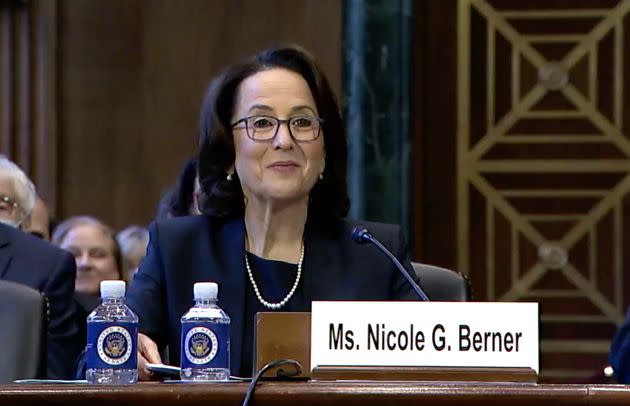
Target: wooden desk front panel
[319,393]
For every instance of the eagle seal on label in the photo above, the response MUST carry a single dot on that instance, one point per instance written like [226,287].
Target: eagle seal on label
[200,345]
[114,345]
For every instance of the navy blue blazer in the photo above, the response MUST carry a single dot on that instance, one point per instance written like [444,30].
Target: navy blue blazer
[186,250]
[36,263]
[619,356]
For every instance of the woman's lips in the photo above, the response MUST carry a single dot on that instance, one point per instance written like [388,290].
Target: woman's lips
[284,166]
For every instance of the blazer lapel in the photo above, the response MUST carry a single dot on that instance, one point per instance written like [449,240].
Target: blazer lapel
[230,244]
[5,250]
[323,264]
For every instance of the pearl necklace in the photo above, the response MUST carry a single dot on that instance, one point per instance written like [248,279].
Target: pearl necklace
[284,301]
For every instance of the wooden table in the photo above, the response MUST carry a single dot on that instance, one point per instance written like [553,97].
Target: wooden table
[319,393]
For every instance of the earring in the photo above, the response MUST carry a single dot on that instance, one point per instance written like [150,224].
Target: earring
[321,176]
[229,177]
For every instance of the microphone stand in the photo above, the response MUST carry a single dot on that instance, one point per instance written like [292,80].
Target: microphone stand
[363,235]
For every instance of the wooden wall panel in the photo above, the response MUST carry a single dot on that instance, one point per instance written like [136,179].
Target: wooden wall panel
[532,203]
[43,168]
[6,78]
[434,132]
[132,74]
[541,99]
[28,90]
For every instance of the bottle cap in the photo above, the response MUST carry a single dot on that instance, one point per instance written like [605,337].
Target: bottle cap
[205,290]
[112,289]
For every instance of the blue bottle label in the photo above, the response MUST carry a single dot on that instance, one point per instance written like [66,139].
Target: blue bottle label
[112,345]
[205,345]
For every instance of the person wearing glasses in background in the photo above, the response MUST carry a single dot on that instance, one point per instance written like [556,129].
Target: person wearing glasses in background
[20,206]
[17,194]
[272,233]
[34,262]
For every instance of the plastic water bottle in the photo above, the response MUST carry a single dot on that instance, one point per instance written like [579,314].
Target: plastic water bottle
[112,336]
[205,338]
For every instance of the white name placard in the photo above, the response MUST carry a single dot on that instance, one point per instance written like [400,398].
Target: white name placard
[431,334]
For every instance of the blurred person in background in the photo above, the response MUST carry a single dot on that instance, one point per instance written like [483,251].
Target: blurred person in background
[97,256]
[36,263]
[182,199]
[39,222]
[17,194]
[133,242]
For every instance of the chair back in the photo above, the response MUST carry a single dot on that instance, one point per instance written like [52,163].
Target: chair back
[23,329]
[442,284]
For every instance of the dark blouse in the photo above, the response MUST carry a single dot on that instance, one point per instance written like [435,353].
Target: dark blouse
[274,280]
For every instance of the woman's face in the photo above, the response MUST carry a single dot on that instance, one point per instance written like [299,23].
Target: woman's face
[94,253]
[281,169]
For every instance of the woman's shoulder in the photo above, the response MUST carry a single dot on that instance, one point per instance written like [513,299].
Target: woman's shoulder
[345,227]
[179,227]
[188,226]
[372,227]
[381,230]
[181,223]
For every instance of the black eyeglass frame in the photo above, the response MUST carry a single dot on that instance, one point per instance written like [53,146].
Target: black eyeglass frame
[286,121]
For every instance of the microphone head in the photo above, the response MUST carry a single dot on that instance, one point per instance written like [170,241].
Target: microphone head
[361,235]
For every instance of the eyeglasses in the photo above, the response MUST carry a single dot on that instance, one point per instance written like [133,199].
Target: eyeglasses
[7,204]
[265,128]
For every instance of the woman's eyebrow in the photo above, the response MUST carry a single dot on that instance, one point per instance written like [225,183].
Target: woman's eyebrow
[303,107]
[264,107]
[260,107]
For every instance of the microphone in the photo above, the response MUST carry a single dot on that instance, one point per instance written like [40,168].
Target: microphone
[362,236]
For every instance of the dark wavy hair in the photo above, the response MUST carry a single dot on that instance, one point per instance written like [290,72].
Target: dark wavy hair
[224,199]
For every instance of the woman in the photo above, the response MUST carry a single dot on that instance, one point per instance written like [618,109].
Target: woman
[96,253]
[97,256]
[272,166]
